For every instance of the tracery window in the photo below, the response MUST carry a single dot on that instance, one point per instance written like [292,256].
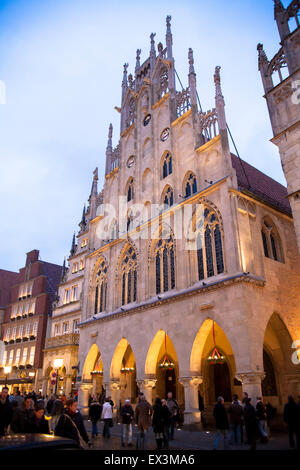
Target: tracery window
[163,83]
[131,112]
[129,276]
[165,265]
[271,241]
[210,247]
[100,288]
[130,190]
[168,196]
[167,165]
[191,185]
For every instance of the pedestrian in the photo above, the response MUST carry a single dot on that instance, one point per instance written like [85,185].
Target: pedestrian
[261,417]
[291,418]
[107,417]
[271,413]
[22,416]
[174,410]
[235,412]
[6,411]
[38,423]
[94,415]
[222,424]
[18,398]
[167,422]
[111,403]
[50,404]
[250,423]
[201,409]
[160,415]
[56,412]
[143,413]
[127,414]
[70,424]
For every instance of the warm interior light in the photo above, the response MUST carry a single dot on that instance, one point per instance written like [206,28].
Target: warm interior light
[58,363]
[7,369]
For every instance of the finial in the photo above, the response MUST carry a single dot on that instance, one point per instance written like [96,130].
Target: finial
[160,48]
[217,78]
[110,131]
[168,21]
[130,80]
[262,56]
[124,82]
[73,247]
[152,35]
[191,60]
[138,55]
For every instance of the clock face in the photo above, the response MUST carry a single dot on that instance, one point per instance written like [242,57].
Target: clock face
[147,119]
[165,134]
[130,161]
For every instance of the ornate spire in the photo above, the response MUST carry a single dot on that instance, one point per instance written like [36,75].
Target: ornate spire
[220,103]
[94,194]
[191,61]
[138,62]
[82,224]
[124,81]
[64,270]
[169,40]
[262,57]
[109,150]
[73,246]
[152,51]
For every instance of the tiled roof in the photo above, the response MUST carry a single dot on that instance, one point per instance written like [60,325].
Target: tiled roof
[260,185]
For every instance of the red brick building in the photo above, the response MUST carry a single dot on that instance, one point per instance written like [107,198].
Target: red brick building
[25,323]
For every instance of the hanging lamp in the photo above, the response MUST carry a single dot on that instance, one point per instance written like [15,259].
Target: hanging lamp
[166,363]
[215,357]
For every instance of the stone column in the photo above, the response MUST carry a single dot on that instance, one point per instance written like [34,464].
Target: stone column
[112,389]
[68,385]
[84,390]
[191,406]
[146,386]
[251,382]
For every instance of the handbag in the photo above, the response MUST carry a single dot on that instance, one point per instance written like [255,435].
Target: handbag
[82,442]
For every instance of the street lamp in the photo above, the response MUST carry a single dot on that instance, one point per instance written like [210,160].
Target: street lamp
[57,365]
[7,370]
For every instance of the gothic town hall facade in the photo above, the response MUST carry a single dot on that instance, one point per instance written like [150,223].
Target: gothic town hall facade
[191,266]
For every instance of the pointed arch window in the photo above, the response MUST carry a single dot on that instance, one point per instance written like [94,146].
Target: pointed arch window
[210,257]
[167,165]
[168,196]
[100,288]
[165,265]
[191,185]
[129,276]
[131,112]
[271,241]
[130,193]
[163,83]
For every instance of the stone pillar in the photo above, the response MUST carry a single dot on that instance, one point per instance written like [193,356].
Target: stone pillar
[44,386]
[191,406]
[68,389]
[84,390]
[251,382]
[112,389]
[146,386]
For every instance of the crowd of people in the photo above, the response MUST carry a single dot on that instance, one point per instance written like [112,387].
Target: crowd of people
[244,423]
[239,423]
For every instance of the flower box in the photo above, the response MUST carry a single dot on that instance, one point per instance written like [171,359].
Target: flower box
[32,337]
[5,342]
[28,295]
[28,366]
[24,315]
[30,314]
[18,317]
[12,318]
[24,297]
[21,367]
[11,341]
[25,338]
[18,340]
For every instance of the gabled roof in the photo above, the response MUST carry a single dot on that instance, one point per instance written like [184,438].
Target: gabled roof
[260,185]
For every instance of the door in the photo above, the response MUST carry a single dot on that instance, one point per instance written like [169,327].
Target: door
[222,382]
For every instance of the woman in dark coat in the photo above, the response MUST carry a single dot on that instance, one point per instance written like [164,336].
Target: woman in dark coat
[158,422]
[291,417]
[250,423]
[38,423]
[70,424]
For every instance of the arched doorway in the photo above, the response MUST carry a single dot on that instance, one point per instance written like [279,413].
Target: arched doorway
[93,371]
[123,370]
[212,358]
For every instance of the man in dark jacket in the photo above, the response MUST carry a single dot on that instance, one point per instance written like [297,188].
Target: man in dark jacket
[5,411]
[22,416]
[94,415]
[291,416]
[126,423]
[235,412]
[261,417]
[70,424]
[222,424]
[250,423]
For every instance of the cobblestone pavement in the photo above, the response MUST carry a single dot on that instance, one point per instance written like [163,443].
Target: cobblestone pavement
[184,440]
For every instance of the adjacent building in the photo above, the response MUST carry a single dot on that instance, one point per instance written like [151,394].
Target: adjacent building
[25,323]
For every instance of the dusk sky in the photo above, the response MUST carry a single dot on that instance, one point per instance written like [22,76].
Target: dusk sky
[62,62]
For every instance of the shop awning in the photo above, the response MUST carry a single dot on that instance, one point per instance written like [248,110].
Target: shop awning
[27,380]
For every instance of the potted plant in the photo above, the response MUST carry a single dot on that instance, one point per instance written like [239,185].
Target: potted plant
[25,338]
[18,317]
[30,314]
[13,318]
[21,367]
[5,342]
[32,337]
[28,295]
[11,341]
[28,366]
[18,340]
